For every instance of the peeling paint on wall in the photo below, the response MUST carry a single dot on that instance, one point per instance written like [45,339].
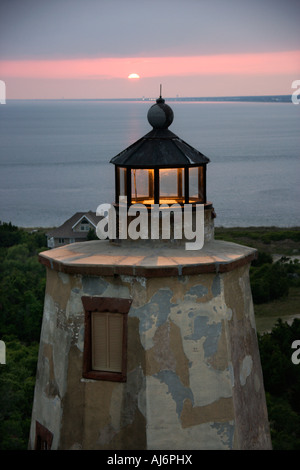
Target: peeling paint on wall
[246,369]
[191,364]
[152,315]
[176,389]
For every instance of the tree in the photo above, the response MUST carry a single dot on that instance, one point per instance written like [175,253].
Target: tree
[17,379]
[92,235]
[269,281]
[282,384]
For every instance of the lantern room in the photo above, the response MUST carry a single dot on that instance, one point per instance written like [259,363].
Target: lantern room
[160,168]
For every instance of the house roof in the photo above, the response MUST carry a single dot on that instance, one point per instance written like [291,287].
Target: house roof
[66,229]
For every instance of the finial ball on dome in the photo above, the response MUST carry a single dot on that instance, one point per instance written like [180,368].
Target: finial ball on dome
[160,115]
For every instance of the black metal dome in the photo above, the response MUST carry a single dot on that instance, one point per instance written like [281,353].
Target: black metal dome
[160,115]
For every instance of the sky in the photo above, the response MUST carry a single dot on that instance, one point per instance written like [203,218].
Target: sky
[86,49]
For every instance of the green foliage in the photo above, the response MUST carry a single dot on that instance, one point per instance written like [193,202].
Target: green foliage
[270,239]
[281,235]
[17,379]
[270,280]
[282,384]
[9,235]
[284,424]
[266,234]
[22,281]
[262,258]
[92,235]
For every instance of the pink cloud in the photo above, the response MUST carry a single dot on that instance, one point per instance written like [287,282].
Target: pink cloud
[227,64]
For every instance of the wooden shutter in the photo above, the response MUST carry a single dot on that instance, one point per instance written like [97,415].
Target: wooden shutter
[105,338]
[115,335]
[99,342]
[107,341]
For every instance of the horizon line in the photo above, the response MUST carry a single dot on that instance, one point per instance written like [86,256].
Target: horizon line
[174,98]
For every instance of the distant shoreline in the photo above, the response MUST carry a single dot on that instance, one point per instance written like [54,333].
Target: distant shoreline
[251,228]
[236,99]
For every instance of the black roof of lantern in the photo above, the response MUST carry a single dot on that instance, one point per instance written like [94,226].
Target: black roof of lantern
[160,147]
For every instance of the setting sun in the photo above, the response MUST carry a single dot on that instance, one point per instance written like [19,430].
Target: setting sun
[133,75]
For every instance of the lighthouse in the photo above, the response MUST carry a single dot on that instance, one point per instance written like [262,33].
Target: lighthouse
[150,342]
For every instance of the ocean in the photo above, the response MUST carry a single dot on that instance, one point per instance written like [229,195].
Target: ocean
[54,157]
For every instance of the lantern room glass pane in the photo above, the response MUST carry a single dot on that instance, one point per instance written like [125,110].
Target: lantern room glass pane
[171,185]
[196,184]
[142,186]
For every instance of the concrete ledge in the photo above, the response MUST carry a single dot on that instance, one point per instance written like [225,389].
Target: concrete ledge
[102,258]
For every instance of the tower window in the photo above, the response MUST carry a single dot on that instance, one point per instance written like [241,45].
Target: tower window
[105,339]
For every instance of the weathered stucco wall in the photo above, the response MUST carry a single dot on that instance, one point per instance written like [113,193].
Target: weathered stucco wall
[193,378]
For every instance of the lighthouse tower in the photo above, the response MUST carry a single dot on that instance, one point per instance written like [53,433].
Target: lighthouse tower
[150,342]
